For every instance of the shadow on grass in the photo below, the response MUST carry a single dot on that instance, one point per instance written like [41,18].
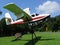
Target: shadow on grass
[15,40]
[47,39]
[32,42]
[35,40]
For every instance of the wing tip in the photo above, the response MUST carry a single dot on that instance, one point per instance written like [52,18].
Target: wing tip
[8,4]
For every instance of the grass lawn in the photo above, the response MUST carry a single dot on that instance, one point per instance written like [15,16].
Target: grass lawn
[43,38]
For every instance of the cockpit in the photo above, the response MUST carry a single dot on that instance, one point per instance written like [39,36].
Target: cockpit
[33,15]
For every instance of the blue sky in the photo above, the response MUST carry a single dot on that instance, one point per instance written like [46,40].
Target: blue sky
[34,5]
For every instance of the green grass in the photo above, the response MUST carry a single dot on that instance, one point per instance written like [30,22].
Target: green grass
[43,38]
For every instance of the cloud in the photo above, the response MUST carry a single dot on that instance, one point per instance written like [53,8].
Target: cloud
[48,7]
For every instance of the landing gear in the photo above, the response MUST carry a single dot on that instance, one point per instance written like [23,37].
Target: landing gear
[33,34]
[33,38]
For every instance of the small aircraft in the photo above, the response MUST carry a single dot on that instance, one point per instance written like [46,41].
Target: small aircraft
[23,16]
[34,19]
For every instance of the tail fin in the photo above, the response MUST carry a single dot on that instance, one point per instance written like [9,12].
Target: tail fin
[8,19]
[27,10]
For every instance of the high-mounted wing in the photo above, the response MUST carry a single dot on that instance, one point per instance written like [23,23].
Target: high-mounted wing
[18,12]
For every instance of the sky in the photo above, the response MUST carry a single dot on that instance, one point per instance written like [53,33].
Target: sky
[51,7]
